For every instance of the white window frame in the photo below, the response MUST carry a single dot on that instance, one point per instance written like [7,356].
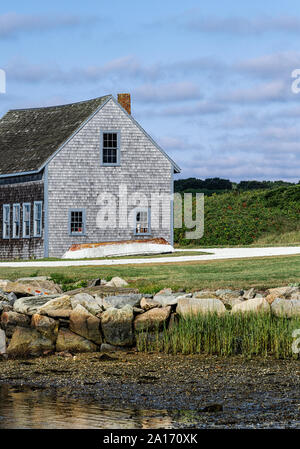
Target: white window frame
[118,148]
[148,212]
[26,236]
[6,222]
[37,204]
[83,229]
[16,207]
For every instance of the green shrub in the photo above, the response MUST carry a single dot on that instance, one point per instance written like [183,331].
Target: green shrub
[240,218]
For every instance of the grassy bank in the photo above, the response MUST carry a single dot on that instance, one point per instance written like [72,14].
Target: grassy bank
[246,218]
[243,273]
[246,334]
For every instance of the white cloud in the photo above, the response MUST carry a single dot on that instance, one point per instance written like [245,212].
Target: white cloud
[270,65]
[180,91]
[242,25]
[12,24]
[276,90]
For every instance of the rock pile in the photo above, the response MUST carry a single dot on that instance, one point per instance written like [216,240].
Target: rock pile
[37,318]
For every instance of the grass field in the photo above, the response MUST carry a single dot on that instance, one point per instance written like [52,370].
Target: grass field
[243,273]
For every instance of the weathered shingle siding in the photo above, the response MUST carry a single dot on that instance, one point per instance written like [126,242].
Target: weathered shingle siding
[21,248]
[76,178]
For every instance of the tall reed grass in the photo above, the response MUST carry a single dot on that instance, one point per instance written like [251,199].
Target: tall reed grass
[247,334]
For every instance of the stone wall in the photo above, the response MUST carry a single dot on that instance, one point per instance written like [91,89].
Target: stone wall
[101,319]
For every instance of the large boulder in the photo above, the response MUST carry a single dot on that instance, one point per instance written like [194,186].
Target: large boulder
[30,287]
[9,297]
[153,319]
[10,320]
[295,295]
[28,341]
[229,295]
[148,303]
[286,307]
[281,292]
[117,326]
[5,306]
[2,342]
[165,291]
[70,342]
[166,300]
[116,282]
[31,304]
[223,291]
[255,305]
[106,347]
[60,307]
[93,305]
[193,306]
[85,324]
[119,301]
[231,302]
[45,325]
[249,294]
[204,294]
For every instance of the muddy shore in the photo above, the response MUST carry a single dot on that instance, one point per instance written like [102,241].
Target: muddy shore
[252,393]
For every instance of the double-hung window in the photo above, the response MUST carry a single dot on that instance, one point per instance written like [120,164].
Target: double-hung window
[37,219]
[6,221]
[142,221]
[110,148]
[77,221]
[16,221]
[26,219]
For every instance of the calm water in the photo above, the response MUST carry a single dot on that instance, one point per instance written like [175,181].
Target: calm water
[27,408]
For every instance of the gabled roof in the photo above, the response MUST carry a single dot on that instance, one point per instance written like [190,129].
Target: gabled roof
[29,137]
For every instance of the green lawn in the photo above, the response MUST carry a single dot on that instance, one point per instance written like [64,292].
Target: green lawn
[243,273]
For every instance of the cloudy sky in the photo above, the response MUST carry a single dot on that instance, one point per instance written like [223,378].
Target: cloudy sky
[210,81]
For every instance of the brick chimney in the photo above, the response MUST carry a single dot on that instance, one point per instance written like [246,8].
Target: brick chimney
[125,102]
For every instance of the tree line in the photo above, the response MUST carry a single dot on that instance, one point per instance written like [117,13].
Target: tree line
[219,185]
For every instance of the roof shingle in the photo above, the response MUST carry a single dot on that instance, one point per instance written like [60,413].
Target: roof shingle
[28,137]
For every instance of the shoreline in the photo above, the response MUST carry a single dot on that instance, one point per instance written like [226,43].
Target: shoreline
[256,392]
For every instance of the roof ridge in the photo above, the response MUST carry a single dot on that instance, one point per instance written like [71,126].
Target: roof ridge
[58,105]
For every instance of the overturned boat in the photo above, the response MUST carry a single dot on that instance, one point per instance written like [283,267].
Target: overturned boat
[120,248]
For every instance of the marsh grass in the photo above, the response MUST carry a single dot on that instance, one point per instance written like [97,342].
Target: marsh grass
[245,334]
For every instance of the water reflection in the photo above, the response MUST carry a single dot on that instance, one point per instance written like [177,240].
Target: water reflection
[29,408]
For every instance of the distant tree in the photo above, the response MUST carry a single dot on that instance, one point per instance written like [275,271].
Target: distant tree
[219,185]
[200,185]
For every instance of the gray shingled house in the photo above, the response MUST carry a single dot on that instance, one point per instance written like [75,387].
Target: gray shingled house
[54,163]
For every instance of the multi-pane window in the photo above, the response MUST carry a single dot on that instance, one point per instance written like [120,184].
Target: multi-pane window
[110,148]
[26,219]
[77,221]
[142,221]
[6,221]
[37,217]
[16,221]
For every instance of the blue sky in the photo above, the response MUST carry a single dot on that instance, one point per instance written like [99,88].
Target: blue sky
[210,81]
